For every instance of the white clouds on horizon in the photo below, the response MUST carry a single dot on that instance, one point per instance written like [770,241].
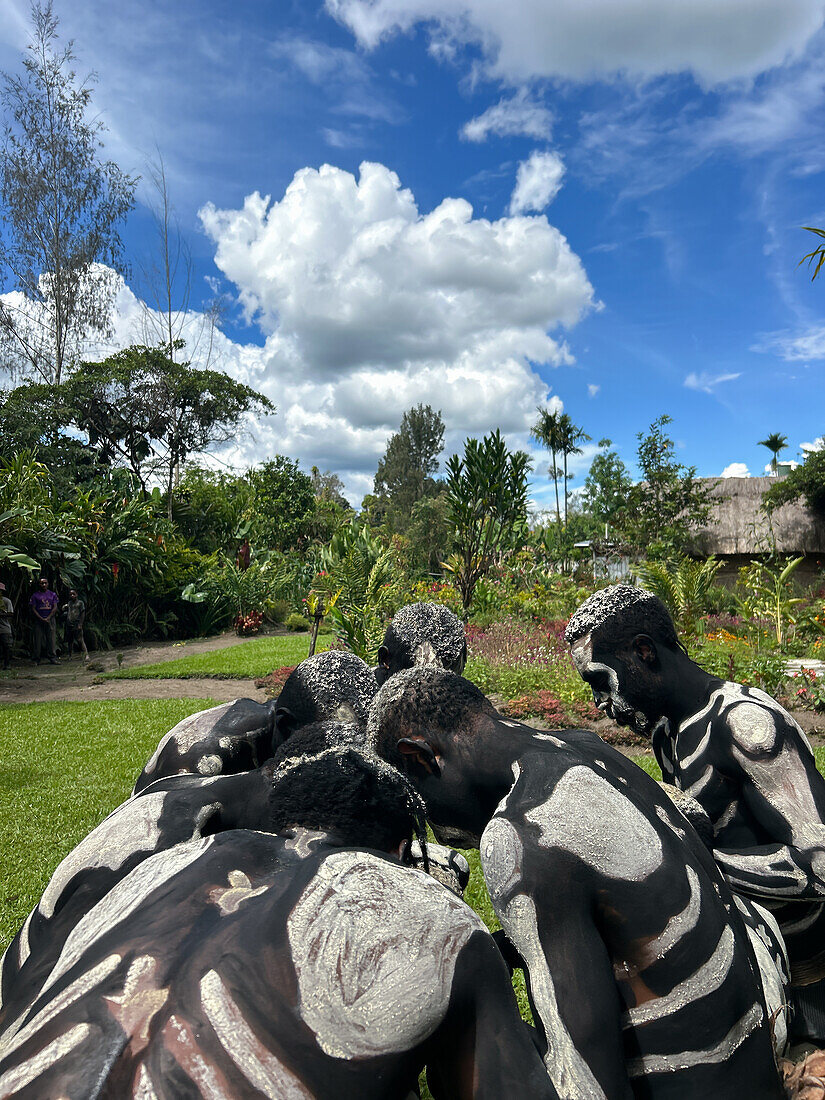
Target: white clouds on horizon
[706,382]
[369,307]
[520,115]
[716,42]
[736,469]
[538,181]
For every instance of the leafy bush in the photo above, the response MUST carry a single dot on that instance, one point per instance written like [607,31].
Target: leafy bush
[296,622]
[734,659]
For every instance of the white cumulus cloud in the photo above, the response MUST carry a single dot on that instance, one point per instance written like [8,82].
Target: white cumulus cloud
[736,469]
[538,181]
[520,114]
[592,389]
[351,275]
[584,39]
[706,382]
[369,306]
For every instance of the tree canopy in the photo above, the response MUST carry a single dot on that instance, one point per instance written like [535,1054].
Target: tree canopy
[60,246]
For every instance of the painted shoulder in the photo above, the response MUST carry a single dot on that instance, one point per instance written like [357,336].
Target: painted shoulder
[758,725]
[374,946]
[590,815]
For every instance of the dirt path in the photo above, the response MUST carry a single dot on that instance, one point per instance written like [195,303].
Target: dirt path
[72,680]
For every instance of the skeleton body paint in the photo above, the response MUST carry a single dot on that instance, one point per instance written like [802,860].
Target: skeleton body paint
[230,738]
[317,971]
[169,813]
[583,866]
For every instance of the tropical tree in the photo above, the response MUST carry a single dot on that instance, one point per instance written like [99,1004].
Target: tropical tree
[670,501]
[806,481]
[570,436]
[406,472]
[141,407]
[487,502]
[60,245]
[607,486]
[775,443]
[547,432]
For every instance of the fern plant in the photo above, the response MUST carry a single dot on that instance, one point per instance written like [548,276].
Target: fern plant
[684,586]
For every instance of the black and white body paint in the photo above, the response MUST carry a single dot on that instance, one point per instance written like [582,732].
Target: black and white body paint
[736,752]
[585,862]
[170,812]
[316,972]
[233,737]
[643,974]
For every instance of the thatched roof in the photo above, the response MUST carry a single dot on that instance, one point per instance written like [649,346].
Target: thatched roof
[742,528]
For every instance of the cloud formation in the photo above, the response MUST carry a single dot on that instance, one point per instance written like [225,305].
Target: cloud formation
[715,41]
[517,115]
[538,181]
[795,347]
[706,382]
[369,306]
[736,469]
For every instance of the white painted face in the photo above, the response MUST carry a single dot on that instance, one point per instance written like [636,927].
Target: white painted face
[607,679]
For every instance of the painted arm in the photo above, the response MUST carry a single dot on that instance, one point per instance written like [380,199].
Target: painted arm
[785,795]
[484,1051]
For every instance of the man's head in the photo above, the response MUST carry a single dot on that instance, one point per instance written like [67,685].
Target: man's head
[73,594]
[422,634]
[620,638]
[43,584]
[436,726]
[354,796]
[333,686]
[319,736]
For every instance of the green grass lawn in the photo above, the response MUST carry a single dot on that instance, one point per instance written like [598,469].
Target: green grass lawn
[255,658]
[64,767]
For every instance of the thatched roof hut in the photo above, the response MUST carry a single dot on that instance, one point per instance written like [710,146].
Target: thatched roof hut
[742,531]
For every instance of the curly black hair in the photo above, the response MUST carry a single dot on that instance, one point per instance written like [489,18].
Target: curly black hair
[426,634]
[356,796]
[418,699]
[618,613]
[330,686]
[319,736]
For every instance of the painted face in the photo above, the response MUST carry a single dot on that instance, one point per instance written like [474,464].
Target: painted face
[614,689]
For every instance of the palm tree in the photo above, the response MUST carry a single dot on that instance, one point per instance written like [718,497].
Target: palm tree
[570,435]
[775,443]
[546,432]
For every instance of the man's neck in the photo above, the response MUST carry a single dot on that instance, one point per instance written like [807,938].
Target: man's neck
[692,688]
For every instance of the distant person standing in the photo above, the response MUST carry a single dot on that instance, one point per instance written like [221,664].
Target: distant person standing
[6,632]
[75,611]
[43,608]
[244,555]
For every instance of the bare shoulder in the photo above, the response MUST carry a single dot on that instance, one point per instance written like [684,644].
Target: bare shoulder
[374,946]
[758,725]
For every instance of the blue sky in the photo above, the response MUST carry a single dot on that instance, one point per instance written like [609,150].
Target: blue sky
[596,202]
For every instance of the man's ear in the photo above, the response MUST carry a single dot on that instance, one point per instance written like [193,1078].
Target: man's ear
[417,757]
[285,723]
[645,649]
[383,656]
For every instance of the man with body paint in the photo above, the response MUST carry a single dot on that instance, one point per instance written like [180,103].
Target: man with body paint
[311,964]
[644,977]
[422,634]
[169,812]
[738,753]
[332,686]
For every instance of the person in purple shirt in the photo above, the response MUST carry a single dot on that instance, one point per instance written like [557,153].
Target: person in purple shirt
[43,608]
